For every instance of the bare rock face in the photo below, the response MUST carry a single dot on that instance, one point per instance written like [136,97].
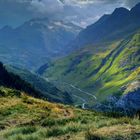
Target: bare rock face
[131,99]
[128,104]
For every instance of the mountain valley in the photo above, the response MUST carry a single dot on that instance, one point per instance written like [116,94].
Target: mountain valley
[63,80]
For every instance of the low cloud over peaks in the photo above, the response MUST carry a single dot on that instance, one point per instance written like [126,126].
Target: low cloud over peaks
[131,3]
[46,6]
[81,12]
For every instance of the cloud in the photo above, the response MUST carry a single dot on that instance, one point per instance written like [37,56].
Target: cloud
[46,6]
[131,3]
[82,12]
[14,12]
[77,2]
[87,2]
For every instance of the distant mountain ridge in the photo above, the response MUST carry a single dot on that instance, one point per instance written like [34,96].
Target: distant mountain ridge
[47,90]
[115,26]
[36,41]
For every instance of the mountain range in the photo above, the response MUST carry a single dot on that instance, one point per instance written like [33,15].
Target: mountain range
[61,82]
[35,42]
[121,23]
[47,39]
[107,67]
[105,55]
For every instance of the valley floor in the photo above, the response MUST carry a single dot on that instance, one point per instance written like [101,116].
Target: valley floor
[26,118]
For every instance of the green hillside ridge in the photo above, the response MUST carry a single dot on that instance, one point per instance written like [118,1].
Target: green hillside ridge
[11,80]
[102,70]
[46,88]
[36,86]
[23,117]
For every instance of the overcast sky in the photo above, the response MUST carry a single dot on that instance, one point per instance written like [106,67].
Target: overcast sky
[81,12]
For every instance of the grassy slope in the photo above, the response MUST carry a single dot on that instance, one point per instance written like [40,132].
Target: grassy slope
[26,118]
[105,68]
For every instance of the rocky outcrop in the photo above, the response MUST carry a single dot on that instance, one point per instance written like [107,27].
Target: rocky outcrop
[130,101]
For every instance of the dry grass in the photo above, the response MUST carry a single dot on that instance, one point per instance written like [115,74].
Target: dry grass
[19,115]
[8,102]
[123,130]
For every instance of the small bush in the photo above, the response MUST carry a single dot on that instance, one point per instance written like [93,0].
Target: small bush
[89,136]
[19,108]
[26,100]
[23,130]
[55,132]
[23,137]
[9,92]
[48,122]
[58,131]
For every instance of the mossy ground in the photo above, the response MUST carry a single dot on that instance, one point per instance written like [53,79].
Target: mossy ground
[25,118]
